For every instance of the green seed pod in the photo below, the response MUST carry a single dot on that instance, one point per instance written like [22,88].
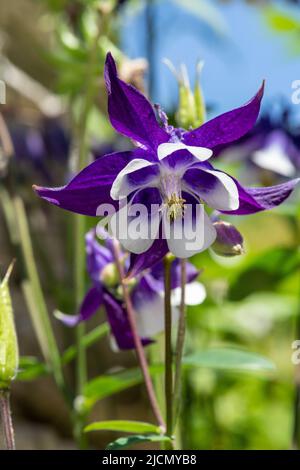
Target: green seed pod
[9,353]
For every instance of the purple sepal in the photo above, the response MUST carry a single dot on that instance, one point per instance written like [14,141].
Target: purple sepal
[254,200]
[90,304]
[129,111]
[227,127]
[91,187]
[118,321]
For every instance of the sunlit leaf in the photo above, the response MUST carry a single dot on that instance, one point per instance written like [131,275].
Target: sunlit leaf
[124,426]
[124,442]
[109,384]
[229,359]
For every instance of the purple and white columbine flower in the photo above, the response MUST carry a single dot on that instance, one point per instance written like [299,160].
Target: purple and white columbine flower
[147,295]
[169,169]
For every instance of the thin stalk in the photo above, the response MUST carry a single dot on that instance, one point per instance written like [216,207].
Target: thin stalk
[180,343]
[137,341]
[50,349]
[296,406]
[79,251]
[7,423]
[168,348]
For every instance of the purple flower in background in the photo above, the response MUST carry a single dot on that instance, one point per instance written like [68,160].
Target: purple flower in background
[147,295]
[168,169]
[35,146]
[271,151]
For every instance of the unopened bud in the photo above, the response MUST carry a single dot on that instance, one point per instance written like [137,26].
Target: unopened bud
[109,275]
[229,241]
[191,108]
[9,353]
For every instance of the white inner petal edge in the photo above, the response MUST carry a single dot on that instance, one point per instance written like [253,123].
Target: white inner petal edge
[201,153]
[187,242]
[121,187]
[274,159]
[195,294]
[150,317]
[224,196]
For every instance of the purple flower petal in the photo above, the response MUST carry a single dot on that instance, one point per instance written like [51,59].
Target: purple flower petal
[227,127]
[90,304]
[130,112]
[139,263]
[215,187]
[91,187]
[98,256]
[157,273]
[254,200]
[120,328]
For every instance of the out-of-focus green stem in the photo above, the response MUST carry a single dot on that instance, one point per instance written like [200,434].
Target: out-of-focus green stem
[168,348]
[80,228]
[296,417]
[180,343]
[41,317]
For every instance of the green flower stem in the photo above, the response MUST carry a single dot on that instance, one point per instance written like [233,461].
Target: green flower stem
[80,229]
[5,413]
[137,341]
[296,423]
[180,343]
[168,347]
[41,318]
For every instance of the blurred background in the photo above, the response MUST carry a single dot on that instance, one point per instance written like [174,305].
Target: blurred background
[51,60]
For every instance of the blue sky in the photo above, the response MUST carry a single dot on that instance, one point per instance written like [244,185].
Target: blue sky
[234,66]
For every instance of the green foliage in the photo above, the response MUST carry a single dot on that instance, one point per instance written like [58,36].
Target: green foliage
[265,271]
[229,359]
[124,426]
[124,442]
[9,351]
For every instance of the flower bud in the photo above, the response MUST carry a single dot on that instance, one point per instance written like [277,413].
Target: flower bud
[9,353]
[229,241]
[191,108]
[109,275]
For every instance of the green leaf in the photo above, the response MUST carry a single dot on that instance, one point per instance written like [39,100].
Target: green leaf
[109,384]
[125,426]
[31,368]
[264,272]
[281,22]
[229,359]
[88,340]
[123,442]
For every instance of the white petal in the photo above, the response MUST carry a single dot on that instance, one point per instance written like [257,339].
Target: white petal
[136,233]
[121,186]
[201,153]
[274,159]
[150,316]
[224,196]
[191,237]
[195,294]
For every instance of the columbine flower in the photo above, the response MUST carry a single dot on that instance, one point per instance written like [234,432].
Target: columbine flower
[271,150]
[169,168]
[147,295]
